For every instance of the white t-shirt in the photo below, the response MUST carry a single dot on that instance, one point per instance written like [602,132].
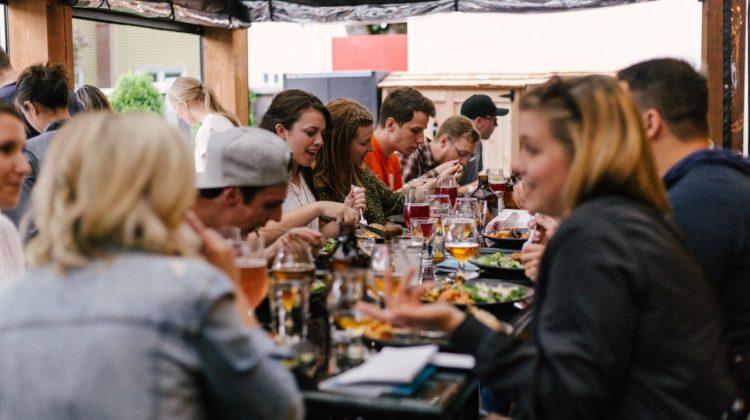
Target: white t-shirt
[212,124]
[299,196]
[11,250]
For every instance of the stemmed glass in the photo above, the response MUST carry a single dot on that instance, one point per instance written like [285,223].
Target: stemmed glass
[461,241]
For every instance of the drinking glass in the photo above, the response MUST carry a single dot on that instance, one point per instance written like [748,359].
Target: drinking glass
[415,205]
[423,227]
[292,273]
[380,263]
[347,322]
[440,206]
[461,241]
[497,180]
[251,262]
[447,185]
[406,255]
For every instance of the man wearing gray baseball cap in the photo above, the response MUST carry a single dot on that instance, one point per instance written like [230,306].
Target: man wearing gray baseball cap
[245,181]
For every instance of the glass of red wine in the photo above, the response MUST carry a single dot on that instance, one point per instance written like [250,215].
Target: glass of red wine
[447,185]
[497,180]
[415,205]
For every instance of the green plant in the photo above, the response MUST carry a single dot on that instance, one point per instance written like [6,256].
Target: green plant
[136,93]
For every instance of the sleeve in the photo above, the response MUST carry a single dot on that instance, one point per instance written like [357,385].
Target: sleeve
[243,381]
[577,361]
[390,201]
[409,166]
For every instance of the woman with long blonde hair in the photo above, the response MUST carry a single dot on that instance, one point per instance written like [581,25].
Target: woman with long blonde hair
[624,324]
[118,317]
[195,103]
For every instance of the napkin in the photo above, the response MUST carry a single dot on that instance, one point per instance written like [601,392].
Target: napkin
[510,219]
[379,374]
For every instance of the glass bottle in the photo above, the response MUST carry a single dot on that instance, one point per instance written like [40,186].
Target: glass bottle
[486,198]
[347,254]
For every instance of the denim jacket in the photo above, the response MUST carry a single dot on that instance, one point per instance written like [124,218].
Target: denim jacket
[135,336]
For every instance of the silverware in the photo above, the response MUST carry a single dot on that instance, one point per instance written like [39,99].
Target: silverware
[377,231]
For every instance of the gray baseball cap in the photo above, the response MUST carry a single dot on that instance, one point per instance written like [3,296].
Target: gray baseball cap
[245,157]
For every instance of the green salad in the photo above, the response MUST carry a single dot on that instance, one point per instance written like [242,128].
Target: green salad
[329,246]
[500,260]
[484,293]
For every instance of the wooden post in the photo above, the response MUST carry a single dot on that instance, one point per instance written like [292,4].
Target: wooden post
[724,54]
[225,67]
[40,31]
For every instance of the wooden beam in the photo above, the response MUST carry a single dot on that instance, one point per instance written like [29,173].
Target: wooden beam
[713,56]
[225,69]
[724,49]
[40,31]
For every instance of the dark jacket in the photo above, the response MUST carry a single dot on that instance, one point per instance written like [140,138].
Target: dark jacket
[710,195]
[624,326]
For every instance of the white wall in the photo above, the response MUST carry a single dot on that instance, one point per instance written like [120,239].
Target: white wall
[275,48]
[604,39]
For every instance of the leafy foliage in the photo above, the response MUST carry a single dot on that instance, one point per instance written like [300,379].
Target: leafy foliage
[136,93]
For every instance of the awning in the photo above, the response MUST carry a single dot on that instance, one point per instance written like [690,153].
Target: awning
[240,13]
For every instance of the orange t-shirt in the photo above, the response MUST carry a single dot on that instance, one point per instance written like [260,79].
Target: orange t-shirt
[389,171]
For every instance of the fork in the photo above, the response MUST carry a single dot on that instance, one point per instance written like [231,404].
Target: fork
[362,220]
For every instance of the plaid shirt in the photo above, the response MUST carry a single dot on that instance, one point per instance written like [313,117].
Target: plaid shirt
[419,164]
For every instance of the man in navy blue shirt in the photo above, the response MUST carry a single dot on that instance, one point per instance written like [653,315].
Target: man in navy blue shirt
[709,189]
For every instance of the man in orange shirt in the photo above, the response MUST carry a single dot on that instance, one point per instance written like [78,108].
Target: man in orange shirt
[401,124]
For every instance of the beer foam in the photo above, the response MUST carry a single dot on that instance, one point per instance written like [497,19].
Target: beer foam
[250,262]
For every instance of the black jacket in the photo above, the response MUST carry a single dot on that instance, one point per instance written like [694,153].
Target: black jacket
[624,327]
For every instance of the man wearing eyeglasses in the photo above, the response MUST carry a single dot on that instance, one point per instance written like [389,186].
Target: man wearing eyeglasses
[483,114]
[450,151]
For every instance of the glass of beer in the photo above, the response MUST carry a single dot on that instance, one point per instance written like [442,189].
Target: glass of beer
[292,273]
[251,262]
[461,241]
[347,323]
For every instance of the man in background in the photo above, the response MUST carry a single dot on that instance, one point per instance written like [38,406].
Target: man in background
[483,113]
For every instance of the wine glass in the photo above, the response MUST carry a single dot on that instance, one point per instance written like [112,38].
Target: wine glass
[497,180]
[461,241]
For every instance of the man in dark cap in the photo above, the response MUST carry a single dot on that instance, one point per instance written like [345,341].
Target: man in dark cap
[483,113]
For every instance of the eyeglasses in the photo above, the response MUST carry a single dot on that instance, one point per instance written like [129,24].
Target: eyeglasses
[463,154]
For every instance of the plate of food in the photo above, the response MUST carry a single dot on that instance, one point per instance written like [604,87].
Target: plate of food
[379,334]
[503,264]
[508,238]
[491,295]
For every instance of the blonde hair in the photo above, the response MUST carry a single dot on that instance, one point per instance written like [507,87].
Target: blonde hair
[596,119]
[458,126]
[189,89]
[117,182]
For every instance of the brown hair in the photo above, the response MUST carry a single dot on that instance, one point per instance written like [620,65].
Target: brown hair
[92,99]
[43,84]
[402,103]
[456,127]
[333,166]
[4,60]
[598,122]
[188,89]
[674,89]
[287,106]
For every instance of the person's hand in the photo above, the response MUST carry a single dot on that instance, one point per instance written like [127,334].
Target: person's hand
[519,194]
[329,209]
[546,226]
[449,168]
[531,257]
[214,248]
[356,198]
[348,216]
[305,235]
[406,308]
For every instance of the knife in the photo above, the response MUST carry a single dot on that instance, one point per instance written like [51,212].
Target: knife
[376,231]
